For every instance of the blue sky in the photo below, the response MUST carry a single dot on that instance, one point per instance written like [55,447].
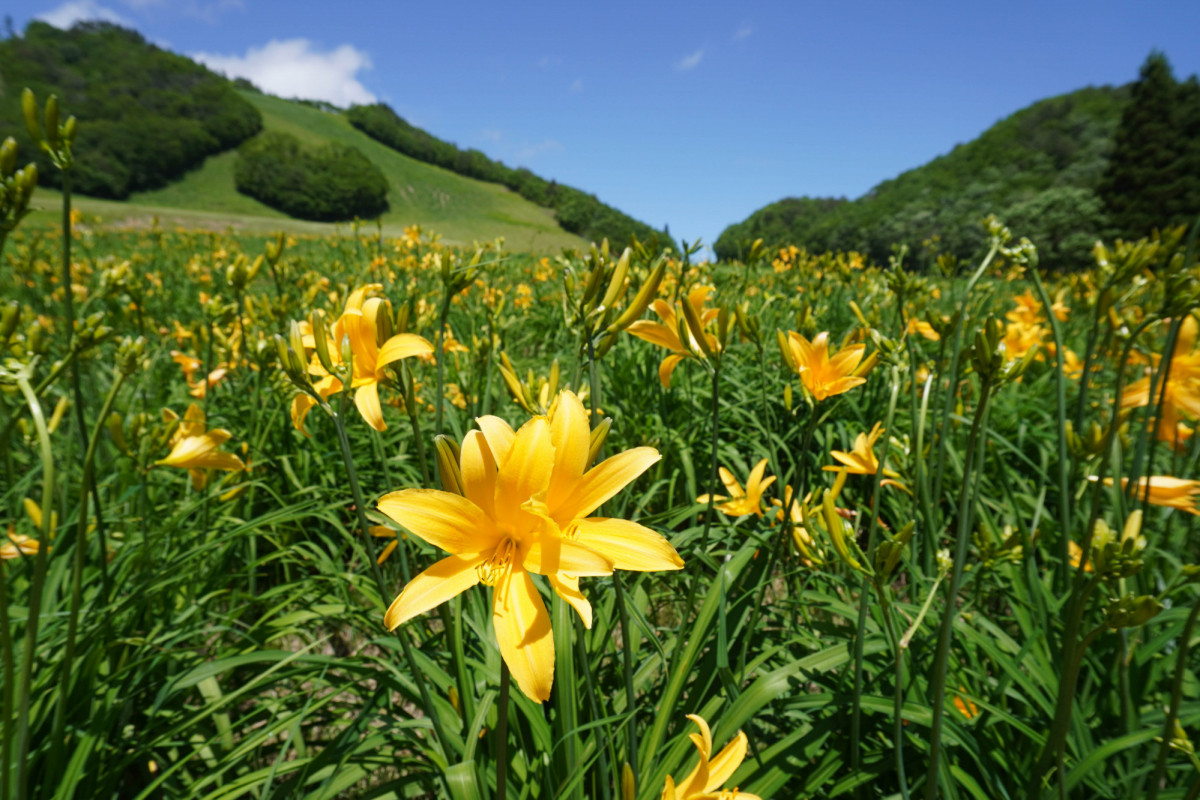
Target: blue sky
[688,114]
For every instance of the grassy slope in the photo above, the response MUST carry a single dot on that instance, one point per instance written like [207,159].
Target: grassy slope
[460,209]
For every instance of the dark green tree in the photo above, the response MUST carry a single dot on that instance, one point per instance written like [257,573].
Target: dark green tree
[1142,188]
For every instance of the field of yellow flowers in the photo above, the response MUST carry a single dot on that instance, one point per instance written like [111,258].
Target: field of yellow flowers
[359,517]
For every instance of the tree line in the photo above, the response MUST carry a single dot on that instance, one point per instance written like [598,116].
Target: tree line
[148,115]
[1096,163]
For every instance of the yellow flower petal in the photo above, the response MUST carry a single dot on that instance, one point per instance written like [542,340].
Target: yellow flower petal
[366,399]
[443,519]
[551,555]
[722,767]
[444,580]
[627,544]
[656,333]
[570,434]
[526,470]
[567,587]
[499,435]
[301,405]
[478,470]
[403,345]
[667,368]
[603,482]
[523,633]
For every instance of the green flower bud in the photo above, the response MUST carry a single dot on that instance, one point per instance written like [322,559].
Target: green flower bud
[29,111]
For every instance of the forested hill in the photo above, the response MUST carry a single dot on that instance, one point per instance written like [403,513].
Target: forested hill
[146,115]
[577,211]
[1037,169]
[160,132]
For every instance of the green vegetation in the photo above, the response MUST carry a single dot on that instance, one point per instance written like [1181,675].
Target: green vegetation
[329,183]
[1154,175]
[1042,164]
[577,211]
[151,115]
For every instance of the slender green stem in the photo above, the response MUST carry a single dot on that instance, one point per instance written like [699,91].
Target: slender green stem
[1093,331]
[948,402]
[37,584]
[631,743]
[6,690]
[1072,658]
[502,735]
[440,354]
[360,508]
[80,545]
[1148,435]
[1168,731]
[410,406]
[937,695]
[713,476]
[921,477]
[1060,383]
[865,594]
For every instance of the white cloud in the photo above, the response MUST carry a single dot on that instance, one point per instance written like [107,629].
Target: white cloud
[74,11]
[492,134]
[690,62]
[294,68]
[531,151]
[577,86]
[545,62]
[205,10]
[743,32]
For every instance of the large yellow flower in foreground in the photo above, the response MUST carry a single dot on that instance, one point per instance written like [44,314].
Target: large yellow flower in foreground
[195,449]
[704,782]
[666,333]
[357,326]
[524,508]
[1166,490]
[825,375]
[739,503]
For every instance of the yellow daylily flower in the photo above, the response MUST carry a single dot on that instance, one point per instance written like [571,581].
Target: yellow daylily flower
[924,328]
[861,459]
[195,449]
[795,515]
[666,333]
[15,545]
[826,375]
[739,503]
[1168,491]
[1028,310]
[189,365]
[704,782]
[357,326]
[1181,396]
[965,705]
[524,509]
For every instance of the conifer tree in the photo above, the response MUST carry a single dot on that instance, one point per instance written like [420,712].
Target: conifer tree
[1144,187]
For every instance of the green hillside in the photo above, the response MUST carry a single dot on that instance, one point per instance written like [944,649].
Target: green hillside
[460,209]
[1038,169]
